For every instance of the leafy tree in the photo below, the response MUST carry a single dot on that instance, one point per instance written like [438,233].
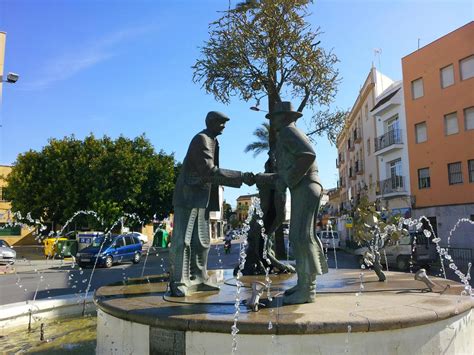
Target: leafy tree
[112,177]
[227,209]
[267,49]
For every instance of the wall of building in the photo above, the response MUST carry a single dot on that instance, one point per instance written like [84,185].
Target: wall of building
[393,107]
[439,149]
[3,39]
[446,219]
[361,119]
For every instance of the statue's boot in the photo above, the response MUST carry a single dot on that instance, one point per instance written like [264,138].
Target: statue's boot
[178,289]
[207,286]
[293,289]
[305,293]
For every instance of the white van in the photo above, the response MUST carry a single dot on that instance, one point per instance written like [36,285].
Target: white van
[330,239]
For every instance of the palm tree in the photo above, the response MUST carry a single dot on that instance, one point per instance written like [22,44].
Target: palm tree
[261,144]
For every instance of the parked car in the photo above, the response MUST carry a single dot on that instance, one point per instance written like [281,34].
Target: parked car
[85,239]
[143,238]
[399,254]
[7,254]
[108,250]
[330,239]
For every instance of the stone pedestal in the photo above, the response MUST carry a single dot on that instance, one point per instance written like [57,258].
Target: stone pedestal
[395,316]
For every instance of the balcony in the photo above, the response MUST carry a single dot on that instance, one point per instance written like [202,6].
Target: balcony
[388,141]
[340,183]
[359,167]
[357,135]
[350,145]
[392,186]
[352,174]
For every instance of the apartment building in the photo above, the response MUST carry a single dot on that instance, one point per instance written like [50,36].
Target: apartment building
[357,163]
[438,84]
[12,234]
[3,39]
[391,151]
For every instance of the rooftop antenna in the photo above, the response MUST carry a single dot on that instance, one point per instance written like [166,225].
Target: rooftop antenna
[378,52]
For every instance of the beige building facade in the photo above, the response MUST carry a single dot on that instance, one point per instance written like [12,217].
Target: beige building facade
[357,163]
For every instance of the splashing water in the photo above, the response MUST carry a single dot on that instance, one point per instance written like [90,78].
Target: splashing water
[239,284]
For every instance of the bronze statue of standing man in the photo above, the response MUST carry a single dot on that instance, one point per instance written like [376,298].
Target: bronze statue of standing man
[196,194]
[297,170]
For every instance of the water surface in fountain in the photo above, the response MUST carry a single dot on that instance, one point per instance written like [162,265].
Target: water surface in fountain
[67,335]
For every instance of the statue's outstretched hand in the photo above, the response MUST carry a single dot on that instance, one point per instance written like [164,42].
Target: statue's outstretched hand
[248,178]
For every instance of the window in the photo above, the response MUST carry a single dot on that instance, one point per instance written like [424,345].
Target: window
[2,194]
[469,118]
[368,146]
[466,66]
[417,88]
[455,173]
[119,243]
[424,178]
[420,131]
[470,169]
[451,124]
[366,111]
[129,240]
[447,76]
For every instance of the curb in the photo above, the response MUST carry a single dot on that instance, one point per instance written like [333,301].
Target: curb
[26,313]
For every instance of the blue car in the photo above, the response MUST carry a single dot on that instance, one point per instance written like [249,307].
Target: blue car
[108,250]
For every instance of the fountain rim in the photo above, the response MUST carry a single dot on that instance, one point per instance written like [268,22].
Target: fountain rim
[420,309]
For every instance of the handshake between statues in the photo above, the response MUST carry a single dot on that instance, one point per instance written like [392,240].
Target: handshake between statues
[264,179]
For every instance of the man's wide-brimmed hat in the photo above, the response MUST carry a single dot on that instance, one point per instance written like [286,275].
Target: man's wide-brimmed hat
[284,107]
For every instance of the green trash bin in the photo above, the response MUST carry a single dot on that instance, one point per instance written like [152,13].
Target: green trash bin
[161,239]
[66,248]
[164,239]
[157,238]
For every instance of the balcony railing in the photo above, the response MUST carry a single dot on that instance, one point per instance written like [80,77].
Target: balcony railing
[393,136]
[393,184]
[341,183]
[350,145]
[357,135]
[352,174]
[358,167]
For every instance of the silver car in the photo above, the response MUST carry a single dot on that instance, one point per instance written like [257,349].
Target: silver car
[7,254]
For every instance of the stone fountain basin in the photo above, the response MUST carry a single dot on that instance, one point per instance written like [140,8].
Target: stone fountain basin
[395,316]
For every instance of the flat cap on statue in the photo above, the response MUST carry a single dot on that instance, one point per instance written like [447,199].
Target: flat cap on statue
[216,116]
[284,107]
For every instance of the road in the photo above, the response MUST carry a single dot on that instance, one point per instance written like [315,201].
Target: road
[36,278]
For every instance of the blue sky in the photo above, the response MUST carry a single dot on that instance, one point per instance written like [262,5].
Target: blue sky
[124,68]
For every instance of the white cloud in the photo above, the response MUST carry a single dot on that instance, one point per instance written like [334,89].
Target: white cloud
[81,57]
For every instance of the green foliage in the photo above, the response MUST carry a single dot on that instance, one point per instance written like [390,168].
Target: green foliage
[227,208]
[266,48]
[112,177]
[261,145]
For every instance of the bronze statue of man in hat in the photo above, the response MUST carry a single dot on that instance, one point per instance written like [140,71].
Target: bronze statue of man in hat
[195,195]
[297,170]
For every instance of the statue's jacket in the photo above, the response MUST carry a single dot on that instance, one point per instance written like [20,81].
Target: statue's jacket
[291,145]
[200,176]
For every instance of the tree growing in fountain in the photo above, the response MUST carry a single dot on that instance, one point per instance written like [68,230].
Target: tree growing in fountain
[374,232]
[267,49]
[111,177]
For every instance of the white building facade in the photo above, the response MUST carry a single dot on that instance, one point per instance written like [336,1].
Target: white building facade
[391,151]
